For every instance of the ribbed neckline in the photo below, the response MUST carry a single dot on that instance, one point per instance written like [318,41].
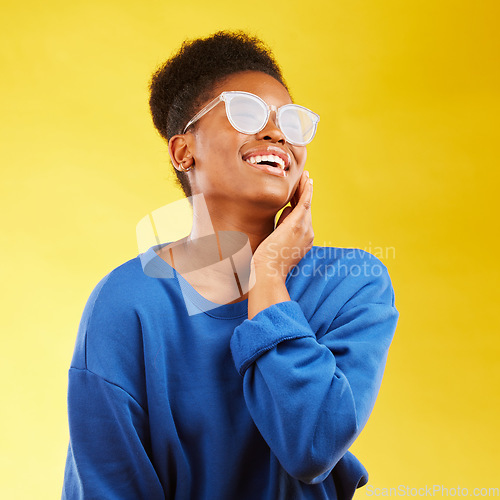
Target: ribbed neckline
[159,268]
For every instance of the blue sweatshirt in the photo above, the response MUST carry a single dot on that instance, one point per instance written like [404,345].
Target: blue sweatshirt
[164,404]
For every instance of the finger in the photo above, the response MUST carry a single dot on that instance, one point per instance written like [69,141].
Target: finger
[311,190]
[305,200]
[301,214]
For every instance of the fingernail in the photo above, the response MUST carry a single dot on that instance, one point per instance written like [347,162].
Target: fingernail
[306,172]
[311,181]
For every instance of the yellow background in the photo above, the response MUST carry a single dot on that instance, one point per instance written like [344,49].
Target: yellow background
[405,163]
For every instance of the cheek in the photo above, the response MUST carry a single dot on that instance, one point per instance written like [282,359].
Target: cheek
[303,157]
[220,145]
[300,155]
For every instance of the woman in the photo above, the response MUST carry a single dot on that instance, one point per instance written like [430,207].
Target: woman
[181,388]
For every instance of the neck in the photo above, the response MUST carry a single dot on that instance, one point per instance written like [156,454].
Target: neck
[220,232]
[210,219]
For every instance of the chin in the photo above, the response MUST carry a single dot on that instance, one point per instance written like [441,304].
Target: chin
[273,199]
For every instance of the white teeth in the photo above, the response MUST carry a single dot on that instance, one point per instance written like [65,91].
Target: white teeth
[269,158]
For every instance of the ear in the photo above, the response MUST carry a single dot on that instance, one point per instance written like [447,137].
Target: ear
[180,154]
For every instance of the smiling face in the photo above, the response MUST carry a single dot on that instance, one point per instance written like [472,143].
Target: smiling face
[221,170]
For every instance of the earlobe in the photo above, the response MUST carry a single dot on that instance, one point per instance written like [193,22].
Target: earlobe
[184,166]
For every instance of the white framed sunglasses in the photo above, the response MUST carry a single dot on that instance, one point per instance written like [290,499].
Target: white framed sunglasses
[248,114]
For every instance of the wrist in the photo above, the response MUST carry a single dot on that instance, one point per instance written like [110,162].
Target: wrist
[268,289]
[271,272]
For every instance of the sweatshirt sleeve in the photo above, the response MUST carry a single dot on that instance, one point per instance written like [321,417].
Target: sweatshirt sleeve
[310,395]
[107,454]
[110,448]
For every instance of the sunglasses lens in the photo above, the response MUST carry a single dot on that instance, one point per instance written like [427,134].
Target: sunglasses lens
[298,124]
[247,114]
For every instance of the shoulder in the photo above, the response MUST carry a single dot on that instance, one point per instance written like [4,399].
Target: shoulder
[344,286]
[337,263]
[117,291]
[110,340]
[348,274]
[129,288]
[348,260]
[110,305]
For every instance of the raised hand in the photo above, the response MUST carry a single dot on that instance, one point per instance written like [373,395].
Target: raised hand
[293,236]
[283,249]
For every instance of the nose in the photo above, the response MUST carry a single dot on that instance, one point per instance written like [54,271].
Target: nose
[271,131]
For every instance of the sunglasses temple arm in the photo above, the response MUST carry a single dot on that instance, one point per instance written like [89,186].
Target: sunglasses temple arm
[202,112]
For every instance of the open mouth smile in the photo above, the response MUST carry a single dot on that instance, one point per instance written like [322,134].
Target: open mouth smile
[272,163]
[269,166]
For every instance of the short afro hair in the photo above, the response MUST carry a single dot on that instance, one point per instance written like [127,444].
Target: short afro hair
[181,84]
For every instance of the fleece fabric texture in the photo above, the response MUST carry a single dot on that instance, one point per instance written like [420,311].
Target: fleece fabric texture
[163,404]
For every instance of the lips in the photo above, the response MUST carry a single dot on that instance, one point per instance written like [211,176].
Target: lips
[271,154]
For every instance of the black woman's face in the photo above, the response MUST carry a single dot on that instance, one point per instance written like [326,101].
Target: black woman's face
[218,149]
